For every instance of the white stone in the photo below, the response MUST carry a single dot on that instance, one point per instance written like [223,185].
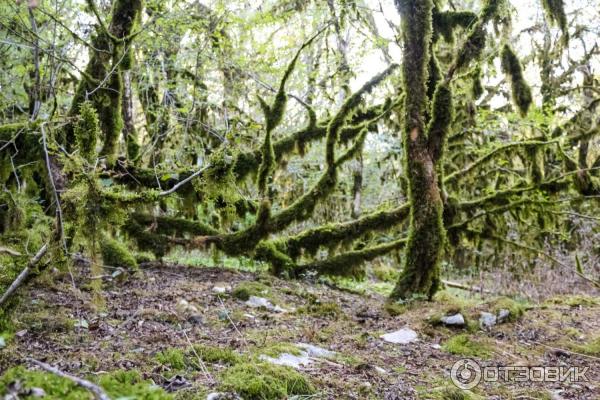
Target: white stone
[261,302]
[287,359]
[221,289]
[402,336]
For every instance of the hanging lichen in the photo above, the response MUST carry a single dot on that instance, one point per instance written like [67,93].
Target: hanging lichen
[521,92]
[476,85]
[87,131]
[555,14]
[445,23]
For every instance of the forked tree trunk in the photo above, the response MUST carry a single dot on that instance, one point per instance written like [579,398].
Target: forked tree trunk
[420,275]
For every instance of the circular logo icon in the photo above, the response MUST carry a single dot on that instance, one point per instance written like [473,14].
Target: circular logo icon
[465,374]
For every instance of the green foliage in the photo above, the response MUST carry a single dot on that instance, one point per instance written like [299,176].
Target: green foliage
[264,381]
[521,92]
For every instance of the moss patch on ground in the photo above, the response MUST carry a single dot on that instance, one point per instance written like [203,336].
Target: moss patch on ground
[264,381]
[213,354]
[468,346]
[117,384]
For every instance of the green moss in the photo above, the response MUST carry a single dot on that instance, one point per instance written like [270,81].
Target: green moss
[394,308]
[172,358]
[321,309]
[385,272]
[54,386]
[466,345]
[476,86]
[87,131]
[44,322]
[264,381]
[129,384]
[521,92]
[213,354]
[279,348]
[117,384]
[504,303]
[116,254]
[445,23]
[575,300]
[244,290]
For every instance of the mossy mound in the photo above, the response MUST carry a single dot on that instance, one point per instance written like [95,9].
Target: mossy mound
[212,354]
[321,309]
[515,309]
[468,346]
[264,381]
[116,254]
[117,384]
[172,358]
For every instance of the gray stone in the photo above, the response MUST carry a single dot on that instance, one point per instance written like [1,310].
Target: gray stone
[261,302]
[402,336]
[487,320]
[453,320]
[503,315]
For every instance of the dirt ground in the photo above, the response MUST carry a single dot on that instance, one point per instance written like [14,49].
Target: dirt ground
[175,306]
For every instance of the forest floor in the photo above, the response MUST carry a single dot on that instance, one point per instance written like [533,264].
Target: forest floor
[149,322]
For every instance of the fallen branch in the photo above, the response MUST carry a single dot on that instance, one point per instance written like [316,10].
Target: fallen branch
[10,252]
[24,274]
[457,285]
[97,390]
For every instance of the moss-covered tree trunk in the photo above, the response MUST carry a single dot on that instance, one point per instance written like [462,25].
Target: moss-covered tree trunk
[420,275]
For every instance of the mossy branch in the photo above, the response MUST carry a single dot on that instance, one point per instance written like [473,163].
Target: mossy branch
[349,263]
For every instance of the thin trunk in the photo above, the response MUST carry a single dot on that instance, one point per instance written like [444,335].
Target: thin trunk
[129,132]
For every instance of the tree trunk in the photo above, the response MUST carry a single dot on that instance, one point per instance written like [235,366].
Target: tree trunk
[420,275]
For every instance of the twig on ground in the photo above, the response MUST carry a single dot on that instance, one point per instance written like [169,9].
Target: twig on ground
[200,361]
[97,390]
